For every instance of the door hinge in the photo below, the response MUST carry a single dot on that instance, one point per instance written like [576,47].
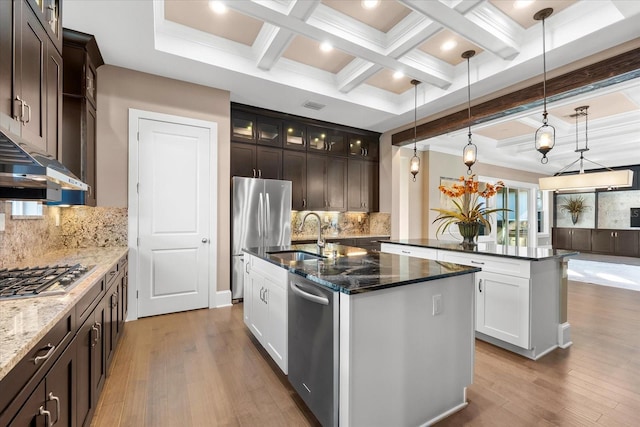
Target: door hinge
[137,294]
[137,241]
[138,188]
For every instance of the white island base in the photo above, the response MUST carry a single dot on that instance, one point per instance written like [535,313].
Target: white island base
[406,353]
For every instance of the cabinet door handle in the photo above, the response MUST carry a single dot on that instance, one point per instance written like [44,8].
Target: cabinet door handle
[46,356]
[28,113]
[259,173]
[21,115]
[266,296]
[480,285]
[246,267]
[95,338]
[47,416]
[57,400]
[254,173]
[304,202]
[477,262]
[262,294]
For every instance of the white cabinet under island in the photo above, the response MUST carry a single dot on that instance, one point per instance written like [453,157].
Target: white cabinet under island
[386,339]
[520,292]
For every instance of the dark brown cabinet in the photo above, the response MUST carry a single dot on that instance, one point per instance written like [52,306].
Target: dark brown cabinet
[254,129]
[364,146]
[362,186]
[30,74]
[294,169]
[91,362]
[294,136]
[256,161]
[78,149]
[326,183]
[616,242]
[51,403]
[48,13]
[577,239]
[326,140]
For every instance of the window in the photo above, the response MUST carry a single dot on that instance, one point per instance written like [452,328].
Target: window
[20,209]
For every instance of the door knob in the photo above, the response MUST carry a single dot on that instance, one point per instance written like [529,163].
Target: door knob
[205,240]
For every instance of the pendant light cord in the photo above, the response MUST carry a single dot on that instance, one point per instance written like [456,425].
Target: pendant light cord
[415,117]
[544,72]
[469,97]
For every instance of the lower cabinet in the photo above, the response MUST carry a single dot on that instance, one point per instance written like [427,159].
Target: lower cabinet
[92,363]
[616,242]
[576,239]
[265,306]
[69,380]
[502,307]
[52,402]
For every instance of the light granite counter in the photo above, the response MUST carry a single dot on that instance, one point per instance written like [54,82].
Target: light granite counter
[25,321]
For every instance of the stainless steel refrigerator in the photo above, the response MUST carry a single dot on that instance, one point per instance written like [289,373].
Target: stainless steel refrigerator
[260,216]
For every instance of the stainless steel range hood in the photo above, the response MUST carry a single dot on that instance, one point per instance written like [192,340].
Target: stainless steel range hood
[28,174]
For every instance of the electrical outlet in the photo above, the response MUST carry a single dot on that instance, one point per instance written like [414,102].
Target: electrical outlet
[437,304]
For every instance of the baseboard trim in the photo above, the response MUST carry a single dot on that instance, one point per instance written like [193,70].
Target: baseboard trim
[223,299]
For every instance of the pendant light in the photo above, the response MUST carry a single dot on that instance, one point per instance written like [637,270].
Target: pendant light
[546,134]
[586,181]
[470,152]
[415,160]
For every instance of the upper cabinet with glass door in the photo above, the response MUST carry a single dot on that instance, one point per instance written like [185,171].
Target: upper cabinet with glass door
[294,136]
[247,127]
[328,141]
[48,13]
[363,146]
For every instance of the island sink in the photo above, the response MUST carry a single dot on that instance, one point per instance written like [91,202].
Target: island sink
[287,256]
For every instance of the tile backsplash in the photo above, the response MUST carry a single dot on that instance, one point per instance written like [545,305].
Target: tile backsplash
[340,224]
[75,227]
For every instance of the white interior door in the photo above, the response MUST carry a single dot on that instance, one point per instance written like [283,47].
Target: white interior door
[173,217]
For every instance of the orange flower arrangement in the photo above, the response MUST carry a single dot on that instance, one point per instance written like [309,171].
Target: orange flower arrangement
[468,206]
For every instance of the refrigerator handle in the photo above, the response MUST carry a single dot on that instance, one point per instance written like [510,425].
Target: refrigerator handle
[267,218]
[260,216]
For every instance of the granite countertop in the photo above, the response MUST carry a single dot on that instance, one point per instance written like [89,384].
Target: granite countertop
[314,237]
[353,270]
[493,249]
[23,322]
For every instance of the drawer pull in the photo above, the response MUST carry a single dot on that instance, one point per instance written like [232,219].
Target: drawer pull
[46,356]
[406,252]
[480,285]
[477,262]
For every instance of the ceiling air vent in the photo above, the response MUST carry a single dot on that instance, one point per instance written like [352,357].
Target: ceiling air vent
[313,105]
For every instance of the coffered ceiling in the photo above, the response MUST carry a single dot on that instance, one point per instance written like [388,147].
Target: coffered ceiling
[269,54]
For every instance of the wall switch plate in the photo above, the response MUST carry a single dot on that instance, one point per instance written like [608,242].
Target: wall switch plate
[437,304]
[1,222]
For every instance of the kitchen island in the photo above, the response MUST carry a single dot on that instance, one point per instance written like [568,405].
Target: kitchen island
[521,292]
[400,335]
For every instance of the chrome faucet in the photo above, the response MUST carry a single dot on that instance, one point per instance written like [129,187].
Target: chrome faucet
[320,238]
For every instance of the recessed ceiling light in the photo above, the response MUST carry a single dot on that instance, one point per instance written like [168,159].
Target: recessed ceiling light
[326,47]
[217,6]
[370,4]
[448,45]
[398,75]
[521,4]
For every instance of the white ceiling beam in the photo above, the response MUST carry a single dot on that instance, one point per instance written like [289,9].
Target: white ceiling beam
[320,30]
[355,73]
[460,24]
[272,41]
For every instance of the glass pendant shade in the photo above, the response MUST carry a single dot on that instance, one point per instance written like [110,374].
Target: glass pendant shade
[469,155]
[415,165]
[545,140]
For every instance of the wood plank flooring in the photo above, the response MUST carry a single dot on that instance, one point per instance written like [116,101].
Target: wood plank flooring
[203,368]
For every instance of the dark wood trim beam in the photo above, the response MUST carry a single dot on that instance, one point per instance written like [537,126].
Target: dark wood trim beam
[617,69]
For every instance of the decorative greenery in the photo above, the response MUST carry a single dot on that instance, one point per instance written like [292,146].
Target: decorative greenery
[468,206]
[574,205]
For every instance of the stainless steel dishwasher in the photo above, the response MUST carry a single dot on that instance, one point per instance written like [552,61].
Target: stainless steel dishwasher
[314,347]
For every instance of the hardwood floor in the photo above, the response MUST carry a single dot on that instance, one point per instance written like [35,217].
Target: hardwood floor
[203,368]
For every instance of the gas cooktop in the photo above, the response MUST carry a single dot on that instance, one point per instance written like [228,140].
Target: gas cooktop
[40,281]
